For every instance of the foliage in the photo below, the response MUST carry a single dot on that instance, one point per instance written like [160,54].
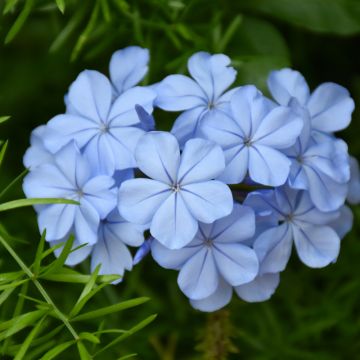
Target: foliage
[312,315]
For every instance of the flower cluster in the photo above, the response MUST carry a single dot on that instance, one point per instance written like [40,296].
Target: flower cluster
[225,195]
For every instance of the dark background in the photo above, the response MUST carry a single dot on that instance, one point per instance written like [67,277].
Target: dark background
[315,314]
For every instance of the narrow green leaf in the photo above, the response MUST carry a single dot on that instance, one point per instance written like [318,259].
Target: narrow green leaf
[111,309]
[10,276]
[127,356]
[61,5]
[89,337]
[5,294]
[39,252]
[20,21]
[84,354]
[4,118]
[130,332]
[105,10]
[14,284]
[2,151]
[29,339]
[34,201]
[57,350]
[12,183]
[18,323]
[10,5]
[229,33]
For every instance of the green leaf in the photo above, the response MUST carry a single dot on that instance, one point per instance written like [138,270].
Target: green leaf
[335,16]
[229,33]
[130,332]
[84,354]
[2,151]
[39,252]
[34,201]
[10,5]
[20,21]
[20,322]
[127,356]
[29,339]
[61,5]
[12,183]
[4,118]
[111,309]
[57,350]
[5,294]
[14,284]
[89,337]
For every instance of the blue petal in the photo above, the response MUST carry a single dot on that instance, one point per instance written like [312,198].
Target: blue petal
[279,129]
[287,83]
[174,259]
[330,107]
[220,298]
[57,219]
[343,223]
[123,111]
[139,199]
[200,160]
[273,248]
[268,166]
[208,201]
[90,95]
[179,92]
[173,224]
[353,196]
[237,263]
[122,175]
[236,227]
[101,194]
[199,277]
[260,289]
[186,125]
[158,156]
[86,223]
[237,162]
[212,72]
[147,121]
[128,67]
[317,246]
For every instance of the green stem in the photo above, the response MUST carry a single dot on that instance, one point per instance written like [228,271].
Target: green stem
[41,289]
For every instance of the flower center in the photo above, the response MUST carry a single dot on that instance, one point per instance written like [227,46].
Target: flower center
[104,128]
[176,188]
[300,159]
[208,242]
[79,193]
[247,142]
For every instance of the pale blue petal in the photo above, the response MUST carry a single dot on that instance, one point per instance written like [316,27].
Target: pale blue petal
[236,227]
[287,83]
[297,176]
[122,175]
[76,256]
[57,219]
[90,95]
[317,246]
[208,201]
[200,160]
[273,248]
[353,196]
[330,107]
[123,111]
[101,194]
[186,124]
[212,72]
[344,223]
[158,155]
[147,120]
[260,289]
[237,263]
[173,224]
[179,92]
[279,129]
[86,223]
[268,166]
[128,67]
[199,277]
[123,141]
[220,298]
[139,199]
[237,162]
[173,259]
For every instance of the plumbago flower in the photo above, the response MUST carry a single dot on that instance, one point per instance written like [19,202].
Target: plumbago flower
[299,221]
[71,176]
[205,93]
[320,162]
[181,190]
[252,136]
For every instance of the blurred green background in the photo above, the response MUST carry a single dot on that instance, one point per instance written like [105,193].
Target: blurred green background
[315,314]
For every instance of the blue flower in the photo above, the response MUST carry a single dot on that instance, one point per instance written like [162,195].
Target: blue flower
[71,176]
[329,106]
[252,137]
[299,221]
[128,67]
[106,132]
[217,255]
[212,75]
[180,191]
